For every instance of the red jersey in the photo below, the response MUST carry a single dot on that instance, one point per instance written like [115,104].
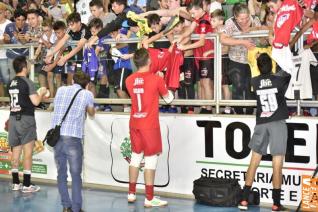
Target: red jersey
[172,76]
[203,27]
[288,16]
[144,90]
[314,33]
[160,59]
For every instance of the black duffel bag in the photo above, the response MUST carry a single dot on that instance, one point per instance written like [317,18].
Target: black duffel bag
[217,191]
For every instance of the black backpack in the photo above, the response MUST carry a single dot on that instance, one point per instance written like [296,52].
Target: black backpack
[217,191]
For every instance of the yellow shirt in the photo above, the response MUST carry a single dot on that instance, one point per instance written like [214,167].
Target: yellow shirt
[252,59]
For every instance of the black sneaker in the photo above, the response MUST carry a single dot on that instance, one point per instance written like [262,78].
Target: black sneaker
[279,208]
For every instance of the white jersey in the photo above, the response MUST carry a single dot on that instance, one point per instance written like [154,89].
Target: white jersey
[300,77]
[283,57]
[82,7]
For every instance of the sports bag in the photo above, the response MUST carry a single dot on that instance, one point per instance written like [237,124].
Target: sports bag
[217,191]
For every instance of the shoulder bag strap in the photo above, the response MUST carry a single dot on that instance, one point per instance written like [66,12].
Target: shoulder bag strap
[69,107]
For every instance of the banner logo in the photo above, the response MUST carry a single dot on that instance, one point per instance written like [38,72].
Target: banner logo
[309,193]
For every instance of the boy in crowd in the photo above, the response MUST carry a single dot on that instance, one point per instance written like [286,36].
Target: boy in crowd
[217,22]
[101,50]
[76,31]
[97,11]
[59,28]
[201,26]
[270,129]
[145,89]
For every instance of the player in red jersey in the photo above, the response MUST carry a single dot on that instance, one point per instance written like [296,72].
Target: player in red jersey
[288,16]
[145,88]
[202,26]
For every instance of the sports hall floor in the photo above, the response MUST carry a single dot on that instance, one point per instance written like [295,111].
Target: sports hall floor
[48,200]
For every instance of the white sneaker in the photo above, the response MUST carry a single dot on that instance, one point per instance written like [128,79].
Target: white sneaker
[131,197]
[30,189]
[16,187]
[155,202]
[127,109]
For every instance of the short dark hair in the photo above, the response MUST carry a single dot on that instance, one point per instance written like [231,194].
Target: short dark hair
[141,57]
[195,4]
[122,2]
[95,22]
[81,78]
[33,11]
[96,3]
[59,25]
[219,14]
[73,18]
[153,19]
[19,63]
[18,13]
[264,63]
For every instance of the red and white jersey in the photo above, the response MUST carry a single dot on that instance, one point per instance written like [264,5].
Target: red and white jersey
[203,27]
[172,76]
[314,33]
[288,16]
[310,4]
[160,59]
[144,90]
[300,77]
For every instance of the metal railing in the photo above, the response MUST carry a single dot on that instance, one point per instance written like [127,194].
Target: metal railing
[217,102]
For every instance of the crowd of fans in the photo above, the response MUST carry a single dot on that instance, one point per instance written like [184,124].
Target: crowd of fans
[57,57]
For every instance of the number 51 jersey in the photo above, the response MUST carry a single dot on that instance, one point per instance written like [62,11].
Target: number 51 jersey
[270,95]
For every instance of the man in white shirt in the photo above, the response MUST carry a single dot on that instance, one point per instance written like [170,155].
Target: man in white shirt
[82,7]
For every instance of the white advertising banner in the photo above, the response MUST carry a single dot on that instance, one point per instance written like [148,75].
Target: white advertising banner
[193,146]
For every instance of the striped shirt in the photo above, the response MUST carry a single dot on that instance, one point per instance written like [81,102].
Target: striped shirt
[73,124]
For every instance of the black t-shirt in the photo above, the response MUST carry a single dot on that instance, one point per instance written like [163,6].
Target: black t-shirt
[20,88]
[270,94]
[159,44]
[84,32]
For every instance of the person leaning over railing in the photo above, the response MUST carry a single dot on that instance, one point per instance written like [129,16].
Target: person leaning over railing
[14,33]
[4,71]
[77,31]
[239,71]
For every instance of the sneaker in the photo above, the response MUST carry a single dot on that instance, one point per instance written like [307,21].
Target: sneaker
[30,189]
[163,110]
[306,113]
[127,109]
[108,108]
[155,202]
[131,197]
[16,187]
[243,205]
[228,110]
[190,110]
[172,110]
[279,208]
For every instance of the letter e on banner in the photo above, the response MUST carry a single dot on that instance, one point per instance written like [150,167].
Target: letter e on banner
[309,193]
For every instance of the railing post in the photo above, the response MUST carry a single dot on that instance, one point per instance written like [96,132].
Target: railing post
[31,55]
[217,73]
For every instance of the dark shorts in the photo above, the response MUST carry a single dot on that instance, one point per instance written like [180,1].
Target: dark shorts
[273,134]
[120,76]
[188,70]
[206,69]
[314,77]
[147,141]
[22,131]
[225,68]
[58,69]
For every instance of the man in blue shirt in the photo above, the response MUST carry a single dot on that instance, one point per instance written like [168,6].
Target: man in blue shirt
[69,148]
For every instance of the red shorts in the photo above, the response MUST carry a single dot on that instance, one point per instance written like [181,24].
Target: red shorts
[147,141]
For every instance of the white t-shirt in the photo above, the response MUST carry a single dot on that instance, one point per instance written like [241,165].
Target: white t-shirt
[82,7]
[214,6]
[300,77]
[2,28]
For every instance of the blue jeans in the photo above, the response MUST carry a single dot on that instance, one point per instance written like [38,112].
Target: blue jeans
[69,149]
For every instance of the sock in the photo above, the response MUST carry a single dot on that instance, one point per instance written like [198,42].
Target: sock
[26,178]
[246,191]
[15,176]
[132,188]
[149,192]
[103,91]
[276,196]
